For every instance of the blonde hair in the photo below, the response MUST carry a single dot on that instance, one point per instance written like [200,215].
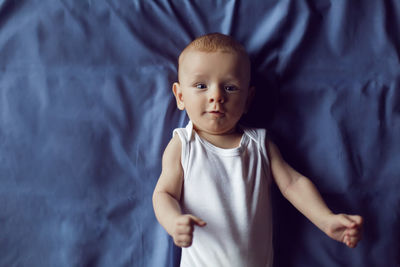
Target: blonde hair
[216,42]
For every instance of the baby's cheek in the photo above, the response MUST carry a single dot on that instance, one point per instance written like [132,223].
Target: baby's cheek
[239,107]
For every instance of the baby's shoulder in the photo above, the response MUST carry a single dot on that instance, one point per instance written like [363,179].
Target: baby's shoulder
[172,152]
[184,134]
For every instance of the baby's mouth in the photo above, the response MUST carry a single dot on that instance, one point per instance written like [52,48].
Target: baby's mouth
[216,113]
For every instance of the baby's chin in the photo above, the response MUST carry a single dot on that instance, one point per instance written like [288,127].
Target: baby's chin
[217,130]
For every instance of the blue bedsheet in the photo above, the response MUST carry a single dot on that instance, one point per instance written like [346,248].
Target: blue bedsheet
[86,110]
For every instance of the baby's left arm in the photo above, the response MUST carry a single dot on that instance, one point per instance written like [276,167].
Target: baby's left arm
[302,193]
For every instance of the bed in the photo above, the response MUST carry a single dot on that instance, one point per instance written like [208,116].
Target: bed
[86,110]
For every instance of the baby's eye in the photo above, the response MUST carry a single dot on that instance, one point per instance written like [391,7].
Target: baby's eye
[201,86]
[230,88]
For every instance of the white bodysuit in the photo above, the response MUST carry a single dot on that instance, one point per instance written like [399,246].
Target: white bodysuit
[230,190]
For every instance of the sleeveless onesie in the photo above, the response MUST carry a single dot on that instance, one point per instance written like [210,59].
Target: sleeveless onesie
[230,190]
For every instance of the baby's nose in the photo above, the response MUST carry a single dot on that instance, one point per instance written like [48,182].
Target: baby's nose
[217,95]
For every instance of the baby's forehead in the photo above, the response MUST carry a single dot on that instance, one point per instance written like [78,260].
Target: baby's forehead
[189,56]
[190,53]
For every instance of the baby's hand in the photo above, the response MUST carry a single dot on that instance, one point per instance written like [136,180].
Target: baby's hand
[345,228]
[184,227]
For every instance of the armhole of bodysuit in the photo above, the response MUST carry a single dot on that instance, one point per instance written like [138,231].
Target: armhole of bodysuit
[263,143]
[184,144]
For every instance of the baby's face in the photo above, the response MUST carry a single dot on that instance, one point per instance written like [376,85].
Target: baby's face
[213,88]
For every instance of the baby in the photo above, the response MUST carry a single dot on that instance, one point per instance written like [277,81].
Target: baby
[213,195]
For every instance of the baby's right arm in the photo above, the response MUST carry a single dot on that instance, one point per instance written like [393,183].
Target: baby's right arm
[167,195]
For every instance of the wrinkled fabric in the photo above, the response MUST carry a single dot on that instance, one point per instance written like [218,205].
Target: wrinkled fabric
[86,111]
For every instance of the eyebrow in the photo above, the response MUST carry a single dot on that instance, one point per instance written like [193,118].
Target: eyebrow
[228,79]
[196,76]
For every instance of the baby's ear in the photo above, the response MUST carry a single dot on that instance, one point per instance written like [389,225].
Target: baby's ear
[176,89]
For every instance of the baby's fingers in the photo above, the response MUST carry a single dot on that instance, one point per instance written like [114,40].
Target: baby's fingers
[351,241]
[183,234]
[189,219]
[353,232]
[195,220]
[357,220]
[184,240]
[352,237]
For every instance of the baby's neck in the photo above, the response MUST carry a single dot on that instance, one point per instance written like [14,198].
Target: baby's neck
[225,140]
